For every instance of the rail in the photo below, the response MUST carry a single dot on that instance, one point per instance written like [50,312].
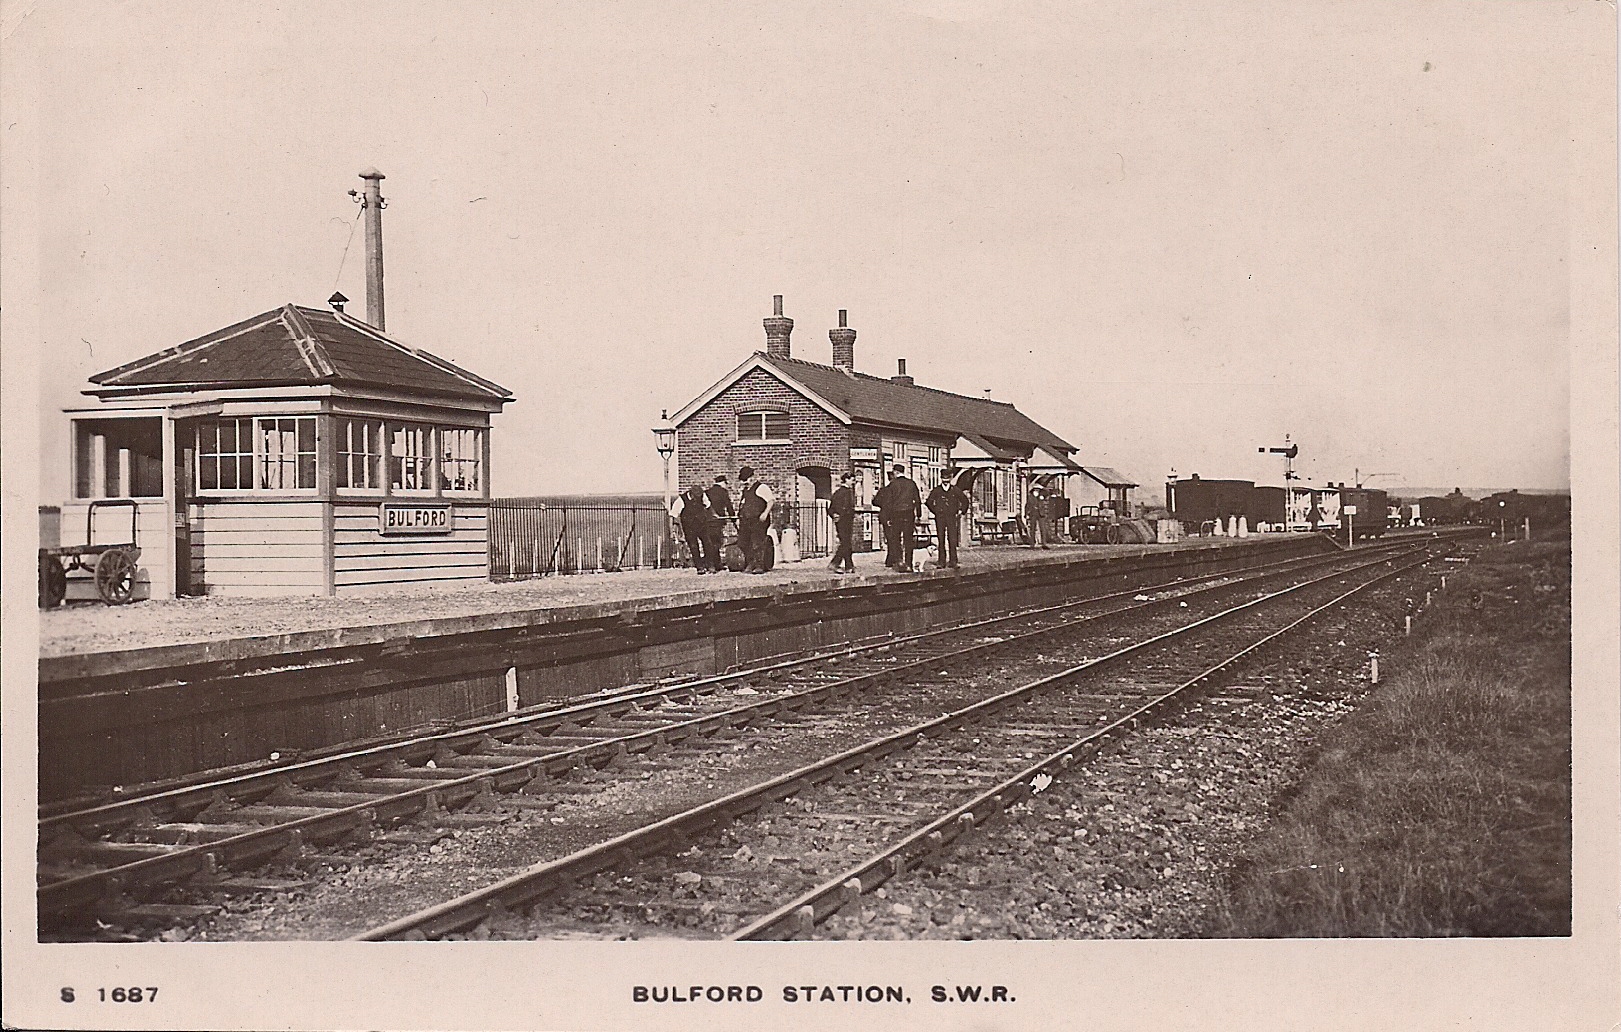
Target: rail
[545,878]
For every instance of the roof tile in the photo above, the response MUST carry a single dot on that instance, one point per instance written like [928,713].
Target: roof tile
[873,399]
[297,346]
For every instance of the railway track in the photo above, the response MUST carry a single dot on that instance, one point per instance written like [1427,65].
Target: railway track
[771,859]
[113,862]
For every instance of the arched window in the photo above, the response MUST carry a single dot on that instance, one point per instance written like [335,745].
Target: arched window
[762,425]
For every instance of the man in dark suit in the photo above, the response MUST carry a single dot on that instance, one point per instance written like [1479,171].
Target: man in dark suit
[720,509]
[696,516]
[753,519]
[1036,511]
[898,509]
[842,509]
[947,503]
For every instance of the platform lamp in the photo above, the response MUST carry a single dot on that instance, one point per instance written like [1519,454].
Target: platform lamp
[664,434]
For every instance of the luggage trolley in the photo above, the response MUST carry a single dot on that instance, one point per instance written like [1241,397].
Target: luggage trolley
[1095,525]
[112,565]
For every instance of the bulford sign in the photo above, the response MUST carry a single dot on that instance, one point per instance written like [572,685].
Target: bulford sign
[413,518]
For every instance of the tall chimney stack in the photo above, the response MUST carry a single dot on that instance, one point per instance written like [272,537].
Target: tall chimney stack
[844,343]
[900,375]
[373,204]
[777,329]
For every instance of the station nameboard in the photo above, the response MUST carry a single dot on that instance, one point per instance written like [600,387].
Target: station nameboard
[413,518]
[863,454]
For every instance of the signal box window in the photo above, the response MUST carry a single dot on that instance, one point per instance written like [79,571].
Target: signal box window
[411,457]
[461,457]
[360,454]
[287,447]
[225,455]
[263,454]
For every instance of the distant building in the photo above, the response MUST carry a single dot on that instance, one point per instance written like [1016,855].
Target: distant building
[300,451]
[802,423]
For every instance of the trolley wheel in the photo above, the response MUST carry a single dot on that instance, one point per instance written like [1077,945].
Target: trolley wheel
[115,577]
[735,559]
[1112,535]
[53,581]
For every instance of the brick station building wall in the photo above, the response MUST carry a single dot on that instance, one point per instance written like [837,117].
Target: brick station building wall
[707,444]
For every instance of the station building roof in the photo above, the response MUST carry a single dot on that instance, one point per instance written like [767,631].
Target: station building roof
[1108,476]
[296,346]
[862,398]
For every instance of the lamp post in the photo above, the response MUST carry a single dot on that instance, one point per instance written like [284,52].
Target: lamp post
[664,434]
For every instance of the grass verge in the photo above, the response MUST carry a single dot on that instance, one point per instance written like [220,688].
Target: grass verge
[1441,807]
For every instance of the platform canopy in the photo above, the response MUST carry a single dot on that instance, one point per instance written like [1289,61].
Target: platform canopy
[1108,476]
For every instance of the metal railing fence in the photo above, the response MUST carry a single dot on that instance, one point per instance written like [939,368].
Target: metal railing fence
[533,539]
[815,529]
[537,540]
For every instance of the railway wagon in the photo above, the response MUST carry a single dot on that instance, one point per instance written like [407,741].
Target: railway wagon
[1266,508]
[1372,515]
[1196,501]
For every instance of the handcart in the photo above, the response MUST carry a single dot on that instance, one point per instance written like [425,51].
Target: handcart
[112,564]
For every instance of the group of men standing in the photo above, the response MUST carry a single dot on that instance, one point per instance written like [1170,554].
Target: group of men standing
[899,508]
[703,511]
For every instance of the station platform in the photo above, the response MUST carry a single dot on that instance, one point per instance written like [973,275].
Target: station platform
[91,627]
[160,689]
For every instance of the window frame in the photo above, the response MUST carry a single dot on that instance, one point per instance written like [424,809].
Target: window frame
[764,415]
[257,456]
[475,458]
[265,460]
[429,454]
[343,456]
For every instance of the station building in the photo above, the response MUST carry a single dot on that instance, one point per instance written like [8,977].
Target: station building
[802,423]
[299,452]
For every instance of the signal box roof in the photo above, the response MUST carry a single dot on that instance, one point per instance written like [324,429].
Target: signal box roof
[297,346]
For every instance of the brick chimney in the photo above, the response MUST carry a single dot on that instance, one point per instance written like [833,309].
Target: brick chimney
[900,376]
[844,343]
[777,329]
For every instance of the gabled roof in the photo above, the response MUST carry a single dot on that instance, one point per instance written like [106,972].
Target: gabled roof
[1108,476]
[993,426]
[297,346]
[875,399]
[1048,457]
[990,451]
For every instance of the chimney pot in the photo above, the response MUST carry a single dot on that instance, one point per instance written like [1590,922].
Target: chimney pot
[778,328]
[844,343]
[901,377]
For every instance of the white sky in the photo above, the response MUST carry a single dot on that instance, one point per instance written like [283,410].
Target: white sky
[1170,233]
